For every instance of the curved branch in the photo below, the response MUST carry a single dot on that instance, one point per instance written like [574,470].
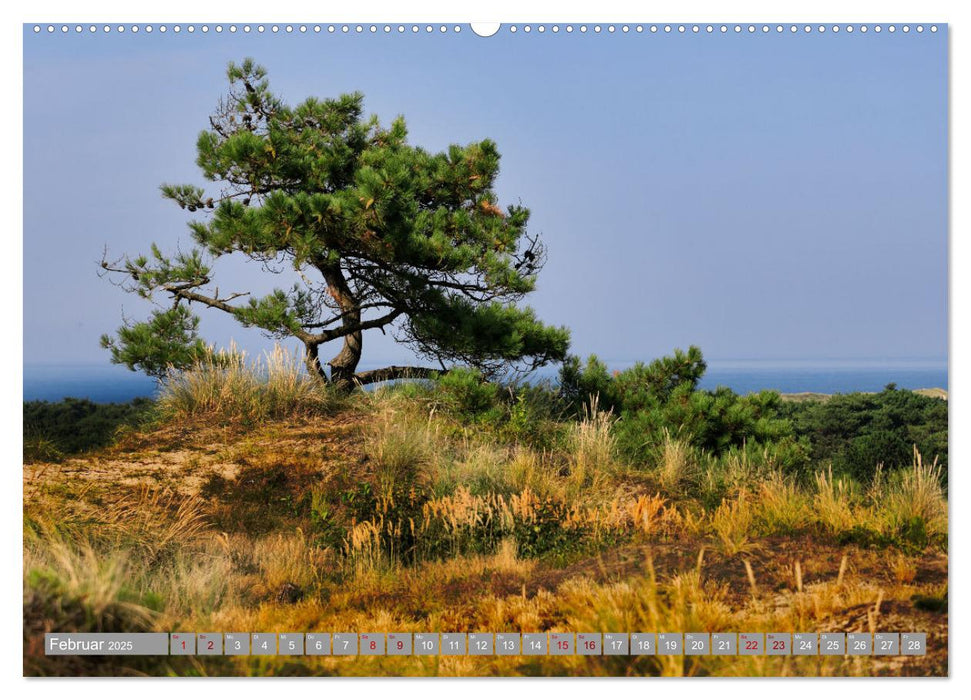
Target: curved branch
[184,292]
[394,372]
[348,329]
[340,316]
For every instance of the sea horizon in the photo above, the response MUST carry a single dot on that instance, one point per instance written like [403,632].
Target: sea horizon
[105,383]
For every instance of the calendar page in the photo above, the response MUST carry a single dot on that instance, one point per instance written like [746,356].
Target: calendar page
[612,349]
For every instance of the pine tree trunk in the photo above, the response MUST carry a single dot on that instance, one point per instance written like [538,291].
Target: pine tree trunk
[344,364]
[314,368]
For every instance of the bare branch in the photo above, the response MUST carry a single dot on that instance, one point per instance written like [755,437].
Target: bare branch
[394,372]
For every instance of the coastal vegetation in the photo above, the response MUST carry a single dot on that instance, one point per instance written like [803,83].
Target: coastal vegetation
[292,493]
[249,496]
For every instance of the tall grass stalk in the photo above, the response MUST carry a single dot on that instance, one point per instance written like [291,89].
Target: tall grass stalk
[915,496]
[677,465]
[732,523]
[592,446]
[782,507]
[833,501]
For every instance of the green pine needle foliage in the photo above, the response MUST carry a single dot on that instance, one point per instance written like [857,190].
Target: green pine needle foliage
[382,234]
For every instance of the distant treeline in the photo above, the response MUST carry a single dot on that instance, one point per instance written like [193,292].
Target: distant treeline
[71,426]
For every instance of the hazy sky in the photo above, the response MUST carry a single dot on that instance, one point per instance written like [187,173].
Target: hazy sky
[762,196]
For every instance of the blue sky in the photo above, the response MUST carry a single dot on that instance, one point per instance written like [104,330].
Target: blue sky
[769,197]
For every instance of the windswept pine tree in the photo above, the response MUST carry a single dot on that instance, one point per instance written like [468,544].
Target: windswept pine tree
[383,235]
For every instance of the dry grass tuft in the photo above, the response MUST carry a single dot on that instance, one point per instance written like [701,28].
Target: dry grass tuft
[782,506]
[592,447]
[833,502]
[916,495]
[732,523]
[229,386]
[677,466]
[649,512]
[403,448]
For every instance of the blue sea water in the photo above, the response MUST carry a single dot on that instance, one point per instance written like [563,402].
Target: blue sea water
[111,383]
[828,379]
[100,383]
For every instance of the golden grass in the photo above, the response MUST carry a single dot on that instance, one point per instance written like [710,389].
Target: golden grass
[528,469]
[833,501]
[677,466]
[592,448]
[468,553]
[732,523]
[650,514]
[229,385]
[917,494]
[782,507]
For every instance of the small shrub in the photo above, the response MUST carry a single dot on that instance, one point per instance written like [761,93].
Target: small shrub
[533,417]
[541,531]
[862,455]
[466,394]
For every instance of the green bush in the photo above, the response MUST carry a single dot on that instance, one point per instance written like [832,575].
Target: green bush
[859,431]
[519,413]
[466,394]
[578,383]
[71,426]
[661,399]
[544,533]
